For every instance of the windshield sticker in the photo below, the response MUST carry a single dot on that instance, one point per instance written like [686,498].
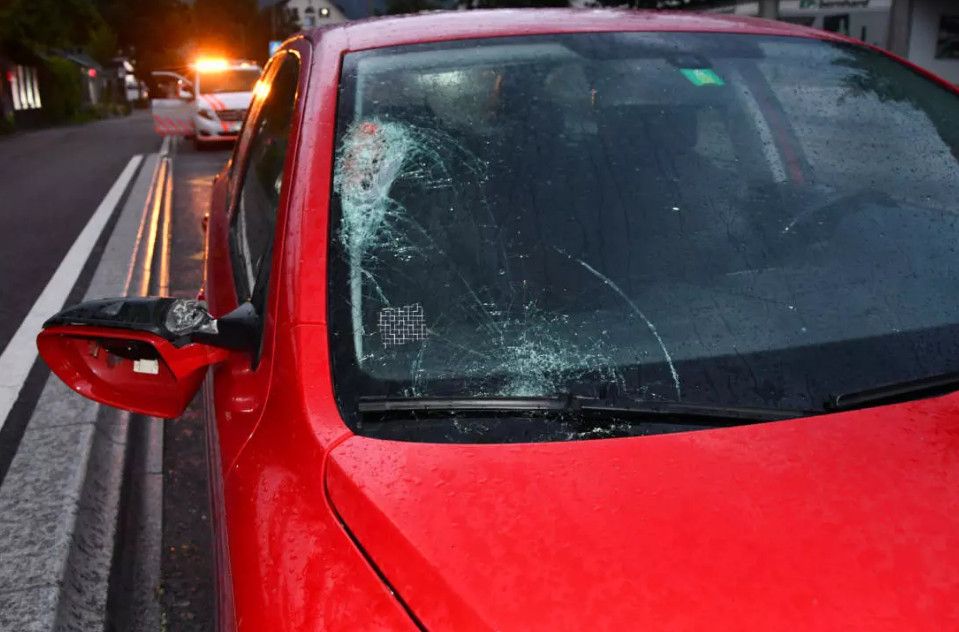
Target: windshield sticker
[702,76]
[400,325]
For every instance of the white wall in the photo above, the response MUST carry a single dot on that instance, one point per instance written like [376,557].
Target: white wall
[924,34]
[863,17]
[333,13]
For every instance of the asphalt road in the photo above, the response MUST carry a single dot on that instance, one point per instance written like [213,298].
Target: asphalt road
[51,181]
[186,566]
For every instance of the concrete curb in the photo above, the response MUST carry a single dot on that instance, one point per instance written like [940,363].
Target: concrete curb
[132,599]
[60,503]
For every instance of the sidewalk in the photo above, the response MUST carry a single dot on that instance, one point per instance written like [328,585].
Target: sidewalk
[61,498]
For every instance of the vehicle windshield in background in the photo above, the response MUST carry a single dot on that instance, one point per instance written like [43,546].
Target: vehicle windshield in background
[239,80]
[711,219]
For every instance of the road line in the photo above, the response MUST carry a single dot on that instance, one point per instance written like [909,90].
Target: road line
[158,192]
[156,205]
[166,234]
[21,351]
[145,217]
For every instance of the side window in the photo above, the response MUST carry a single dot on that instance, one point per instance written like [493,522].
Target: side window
[261,179]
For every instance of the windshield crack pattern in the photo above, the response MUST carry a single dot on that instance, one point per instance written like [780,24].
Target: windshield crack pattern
[532,350]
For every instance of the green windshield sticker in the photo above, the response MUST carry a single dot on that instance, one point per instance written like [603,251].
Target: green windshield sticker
[702,77]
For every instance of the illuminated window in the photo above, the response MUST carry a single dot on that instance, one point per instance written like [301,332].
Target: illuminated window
[24,88]
[22,85]
[14,89]
[33,89]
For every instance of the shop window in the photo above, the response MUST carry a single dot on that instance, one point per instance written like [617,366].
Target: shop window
[24,88]
[836,23]
[947,44]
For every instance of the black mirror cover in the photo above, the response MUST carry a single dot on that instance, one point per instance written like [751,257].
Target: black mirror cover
[173,319]
[240,329]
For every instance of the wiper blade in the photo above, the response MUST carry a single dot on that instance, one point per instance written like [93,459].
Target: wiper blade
[896,392]
[573,404]
[495,404]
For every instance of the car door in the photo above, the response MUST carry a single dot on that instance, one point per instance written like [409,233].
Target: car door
[171,104]
[256,189]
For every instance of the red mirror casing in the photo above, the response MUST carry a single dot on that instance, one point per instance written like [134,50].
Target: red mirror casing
[133,370]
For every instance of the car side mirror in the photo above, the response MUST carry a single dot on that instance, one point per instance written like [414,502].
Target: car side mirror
[145,355]
[186,94]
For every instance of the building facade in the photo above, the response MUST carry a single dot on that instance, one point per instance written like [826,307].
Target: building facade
[924,31]
[931,39]
[310,14]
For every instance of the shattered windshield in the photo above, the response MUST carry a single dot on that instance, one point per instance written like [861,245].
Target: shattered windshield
[700,218]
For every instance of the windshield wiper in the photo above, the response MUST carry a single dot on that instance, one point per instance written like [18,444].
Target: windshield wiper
[712,415]
[896,392]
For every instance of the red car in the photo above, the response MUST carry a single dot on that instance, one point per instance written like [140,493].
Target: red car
[571,320]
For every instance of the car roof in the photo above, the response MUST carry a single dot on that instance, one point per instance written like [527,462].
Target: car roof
[451,25]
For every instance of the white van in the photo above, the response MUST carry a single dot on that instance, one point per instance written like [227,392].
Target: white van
[208,105]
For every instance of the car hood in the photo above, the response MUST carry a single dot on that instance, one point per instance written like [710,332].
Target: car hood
[226,100]
[844,520]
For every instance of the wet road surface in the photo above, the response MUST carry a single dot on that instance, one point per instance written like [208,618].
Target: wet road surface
[187,586]
[51,181]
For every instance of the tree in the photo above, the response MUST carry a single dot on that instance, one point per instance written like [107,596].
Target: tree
[166,33]
[102,44]
[154,33]
[232,27]
[44,24]
[282,21]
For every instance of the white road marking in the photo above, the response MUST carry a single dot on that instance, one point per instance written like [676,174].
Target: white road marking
[21,351]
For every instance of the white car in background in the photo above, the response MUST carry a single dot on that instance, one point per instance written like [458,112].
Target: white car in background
[209,106]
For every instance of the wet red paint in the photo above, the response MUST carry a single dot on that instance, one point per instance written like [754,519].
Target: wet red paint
[847,520]
[836,522]
[81,356]
[443,26]
[844,520]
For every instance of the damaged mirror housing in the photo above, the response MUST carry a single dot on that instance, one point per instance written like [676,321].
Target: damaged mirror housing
[145,355]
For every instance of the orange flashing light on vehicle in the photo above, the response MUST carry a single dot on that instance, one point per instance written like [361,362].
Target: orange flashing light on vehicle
[210,64]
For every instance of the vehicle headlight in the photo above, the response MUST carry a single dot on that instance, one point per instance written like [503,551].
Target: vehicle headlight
[207,114]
